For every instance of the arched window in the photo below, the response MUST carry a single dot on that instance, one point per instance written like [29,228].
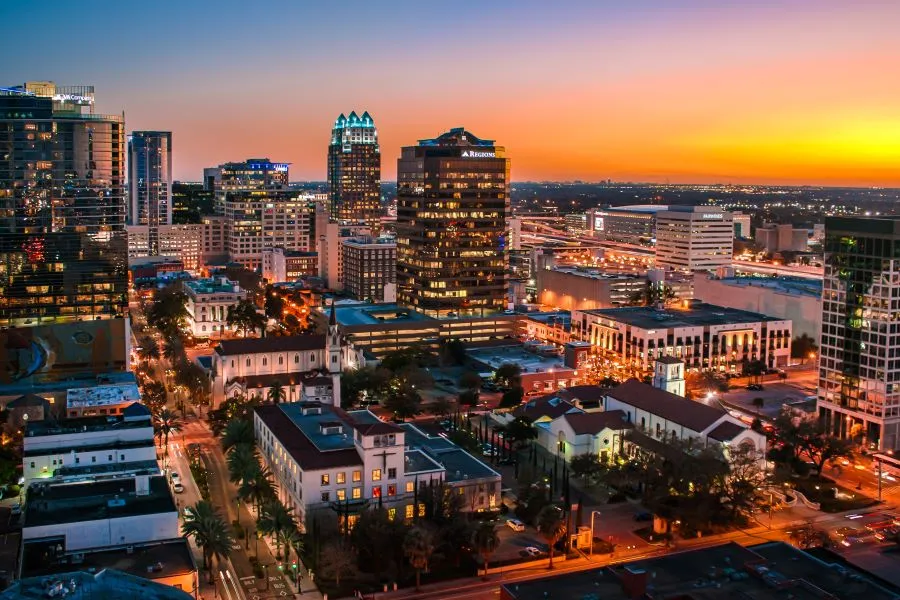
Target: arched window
[296,359]
[280,360]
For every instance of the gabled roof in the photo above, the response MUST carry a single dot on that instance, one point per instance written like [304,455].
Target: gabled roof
[668,406]
[136,409]
[726,431]
[288,343]
[583,423]
[584,393]
[551,407]
[27,401]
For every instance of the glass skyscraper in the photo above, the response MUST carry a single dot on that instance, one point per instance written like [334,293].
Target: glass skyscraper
[354,170]
[452,210]
[150,182]
[859,362]
[63,246]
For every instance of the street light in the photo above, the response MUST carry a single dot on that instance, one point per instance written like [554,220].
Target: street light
[593,514]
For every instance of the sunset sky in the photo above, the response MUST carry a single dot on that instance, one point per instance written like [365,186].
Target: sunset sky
[665,90]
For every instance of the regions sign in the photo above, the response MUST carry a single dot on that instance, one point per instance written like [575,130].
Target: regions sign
[475,154]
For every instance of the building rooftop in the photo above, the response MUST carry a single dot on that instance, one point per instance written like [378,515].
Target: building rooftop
[149,561]
[27,401]
[559,318]
[693,415]
[696,314]
[772,571]
[83,425]
[530,362]
[795,286]
[382,241]
[319,439]
[458,136]
[417,461]
[216,285]
[364,313]
[103,395]
[107,584]
[638,208]
[287,343]
[459,464]
[53,504]
[583,423]
[549,407]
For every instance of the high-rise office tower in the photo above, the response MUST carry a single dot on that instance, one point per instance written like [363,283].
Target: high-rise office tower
[253,174]
[63,247]
[859,353]
[694,238]
[452,210]
[150,182]
[354,170]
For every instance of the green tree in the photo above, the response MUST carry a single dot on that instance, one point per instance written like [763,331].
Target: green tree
[209,530]
[336,561]
[509,375]
[453,352]
[274,306]
[587,467]
[279,522]
[804,347]
[244,316]
[258,489]
[512,397]
[403,401]
[243,463]
[365,382]
[378,541]
[759,403]
[467,398]
[277,393]
[237,432]
[418,546]
[470,380]
[519,432]
[167,312]
[551,526]
[441,407]
[149,350]
[743,486]
[154,396]
[173,350]
[485,541]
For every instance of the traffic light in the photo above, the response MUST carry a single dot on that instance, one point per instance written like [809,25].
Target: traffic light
[294,565]
[280,567]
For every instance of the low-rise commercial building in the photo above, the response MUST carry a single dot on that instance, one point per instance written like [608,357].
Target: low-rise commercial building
[326,459]
[89,445]
[107,400]
[797,299]
[280,265]
[78,584]
[782,237]
[208,301]
[554,327]
[635,224]
[543,369]
[704,336]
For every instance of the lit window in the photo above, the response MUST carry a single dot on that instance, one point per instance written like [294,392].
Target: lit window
[421,509]
[357,476]
[325,479]
[410,511]
[392,490]
[376,491]
[341,478]
[392,513]
[357,493]
[376,474]
[410,487]
[342,495]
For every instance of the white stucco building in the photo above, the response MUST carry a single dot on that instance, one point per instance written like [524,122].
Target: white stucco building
[208,301]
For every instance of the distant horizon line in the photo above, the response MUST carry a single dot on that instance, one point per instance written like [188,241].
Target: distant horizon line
[631,183]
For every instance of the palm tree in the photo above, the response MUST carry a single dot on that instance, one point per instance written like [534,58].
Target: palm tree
[279,522]
[276,393]
[551,526]
[167,422]
[149,350]
[418,545]
[173,350]
[237,431]
[243,463]
[210,532]
[485,540]
[258,489]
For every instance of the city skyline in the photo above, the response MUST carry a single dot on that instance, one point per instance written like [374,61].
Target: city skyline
[695,93]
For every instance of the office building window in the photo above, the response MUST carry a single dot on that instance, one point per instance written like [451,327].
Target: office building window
[325,479]
[376,474]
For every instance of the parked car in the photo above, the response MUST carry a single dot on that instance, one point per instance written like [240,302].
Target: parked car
[178,488]
[175,477]
[755,387]
[532,551]
[515,525]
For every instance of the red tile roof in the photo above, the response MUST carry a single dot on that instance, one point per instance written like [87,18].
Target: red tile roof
[595,422]
[299,447]
[687,413]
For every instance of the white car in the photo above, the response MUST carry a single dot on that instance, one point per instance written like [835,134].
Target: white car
[175,477]
[532,551]
[178,488]
[515,525]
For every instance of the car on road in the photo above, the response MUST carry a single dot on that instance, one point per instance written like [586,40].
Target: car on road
[175,477]
[755,387]
[887,534]
[178,488]
[887,476]
[532,551]
[515,525]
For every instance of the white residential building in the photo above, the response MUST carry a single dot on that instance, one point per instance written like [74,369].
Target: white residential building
[325,458]
[694,238]
[75,448]
[208,301]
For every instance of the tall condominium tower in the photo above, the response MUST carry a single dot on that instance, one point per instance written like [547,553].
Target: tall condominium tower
[63,247]
[694,238]
[452,210]
[354,170]
[150,182]
[859,356]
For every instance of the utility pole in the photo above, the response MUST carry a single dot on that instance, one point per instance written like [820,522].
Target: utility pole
[879,478]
